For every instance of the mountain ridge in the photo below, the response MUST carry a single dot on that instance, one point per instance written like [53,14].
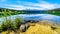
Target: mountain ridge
[52,11]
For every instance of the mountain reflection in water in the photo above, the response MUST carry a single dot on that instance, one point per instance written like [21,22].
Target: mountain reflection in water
[48,17]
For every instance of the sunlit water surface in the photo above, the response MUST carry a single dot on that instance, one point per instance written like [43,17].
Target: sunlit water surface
[48,17]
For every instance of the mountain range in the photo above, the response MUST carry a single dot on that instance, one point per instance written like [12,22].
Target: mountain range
[52,11]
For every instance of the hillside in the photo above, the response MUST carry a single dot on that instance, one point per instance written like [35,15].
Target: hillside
[54,11]
[8,12]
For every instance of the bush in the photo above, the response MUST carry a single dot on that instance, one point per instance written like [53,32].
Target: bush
[18,22]
[10,25]
[53,27]
[4,26]
[7,24]
[0,29]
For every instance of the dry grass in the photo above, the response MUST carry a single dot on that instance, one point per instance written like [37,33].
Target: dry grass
[38,28]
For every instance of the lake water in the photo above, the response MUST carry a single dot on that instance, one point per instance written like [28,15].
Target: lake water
[48,17]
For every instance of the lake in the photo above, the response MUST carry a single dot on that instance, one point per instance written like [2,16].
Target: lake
[48,17]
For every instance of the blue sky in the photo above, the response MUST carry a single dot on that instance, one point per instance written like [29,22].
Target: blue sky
[30,4]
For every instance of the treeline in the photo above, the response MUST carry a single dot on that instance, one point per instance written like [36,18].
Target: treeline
[8,12]
[21,11]
[53,11]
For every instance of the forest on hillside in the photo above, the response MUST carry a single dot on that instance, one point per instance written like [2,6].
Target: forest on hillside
[54,11]
[9,12]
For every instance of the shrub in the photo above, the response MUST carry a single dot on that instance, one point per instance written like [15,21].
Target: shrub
[53,27]
[4,26]
[0,29]
[7,24]
[18,22]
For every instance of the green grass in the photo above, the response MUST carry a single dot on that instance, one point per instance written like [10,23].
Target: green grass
[10,25]
[4,14]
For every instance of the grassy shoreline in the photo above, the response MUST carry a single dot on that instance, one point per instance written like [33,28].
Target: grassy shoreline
[11,27]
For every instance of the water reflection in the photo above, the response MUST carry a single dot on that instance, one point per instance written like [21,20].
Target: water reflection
[34,17]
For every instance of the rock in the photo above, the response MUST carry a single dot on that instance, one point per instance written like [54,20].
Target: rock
[24,27]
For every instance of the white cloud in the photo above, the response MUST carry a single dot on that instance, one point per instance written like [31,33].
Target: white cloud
[47,6]
[41,5]
[21,7]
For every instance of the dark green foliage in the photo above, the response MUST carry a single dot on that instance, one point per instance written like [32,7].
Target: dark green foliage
[1,29]
[8,12]
[53,11]
[53,27]
[7,24]
[10,25]
[18,22]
